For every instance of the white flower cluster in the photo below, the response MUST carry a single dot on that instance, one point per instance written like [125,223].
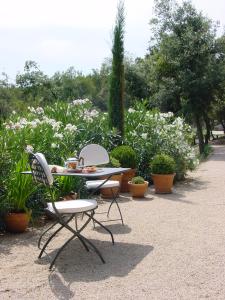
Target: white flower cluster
[39,110]
[58,135]
[169,114]
[70,128]
[167,133]
[54,146]
[131,110]
[88,115]
[81,101]
[21,123]
[29,149]
[144,136]
[55,124]
[17,125]
[174,137]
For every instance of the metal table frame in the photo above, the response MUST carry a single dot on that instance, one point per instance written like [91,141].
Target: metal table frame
[106,172]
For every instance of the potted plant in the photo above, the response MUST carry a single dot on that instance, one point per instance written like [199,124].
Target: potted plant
[163,172]
[127,158]
[107,193]
[18,190]
[138,186]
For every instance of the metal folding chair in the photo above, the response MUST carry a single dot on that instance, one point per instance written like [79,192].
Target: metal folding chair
[63,211]
[94,154]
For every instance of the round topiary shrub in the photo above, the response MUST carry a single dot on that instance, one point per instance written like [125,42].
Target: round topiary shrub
[163,164]
[138,180]
[125,155]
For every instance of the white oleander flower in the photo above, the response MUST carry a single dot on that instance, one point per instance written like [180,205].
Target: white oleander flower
[71,128]
[39,110]
[17,126]
[80,101]
[23,121]
[131,110]
[37,121]
[58,136]
[56,125]
[93,113]
[53,145]
[29,149]
[144,136]
[33,124]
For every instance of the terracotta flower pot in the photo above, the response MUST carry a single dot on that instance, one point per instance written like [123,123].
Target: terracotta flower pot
[127,176]
[107,192]
[138,190]
[17,222]
[163,183]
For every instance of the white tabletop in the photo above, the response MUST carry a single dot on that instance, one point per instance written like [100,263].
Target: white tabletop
[99,172]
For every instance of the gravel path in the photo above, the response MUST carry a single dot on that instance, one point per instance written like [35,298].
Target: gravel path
[172,247]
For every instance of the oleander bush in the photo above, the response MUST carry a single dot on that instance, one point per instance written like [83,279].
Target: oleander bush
[62,129]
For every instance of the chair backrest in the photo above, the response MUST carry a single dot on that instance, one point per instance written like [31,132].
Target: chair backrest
[40,169]
[94,154]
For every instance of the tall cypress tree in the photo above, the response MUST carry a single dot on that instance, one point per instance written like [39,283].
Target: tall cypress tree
[116,90]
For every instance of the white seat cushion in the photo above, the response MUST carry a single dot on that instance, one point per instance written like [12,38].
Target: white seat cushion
[93,184]
[73,206]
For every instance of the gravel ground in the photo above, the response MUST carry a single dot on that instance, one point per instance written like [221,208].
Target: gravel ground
[172,247]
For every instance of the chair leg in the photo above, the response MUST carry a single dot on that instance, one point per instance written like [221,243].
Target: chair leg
[49,240]
[59,251]
[100,224]
[51,237]
[81,238]
[94,248]
[119,211]
[110,207]
[76,224]
[40,238]
[117,204]
[85,241]
[77,233]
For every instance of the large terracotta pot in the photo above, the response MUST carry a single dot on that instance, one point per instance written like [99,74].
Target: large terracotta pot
[127,176]
[17,222]
[107,192]
[163,183]
[138,190]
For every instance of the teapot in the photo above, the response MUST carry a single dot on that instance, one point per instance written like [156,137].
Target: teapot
[74,163]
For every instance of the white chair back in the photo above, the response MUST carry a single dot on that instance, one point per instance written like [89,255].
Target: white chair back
[94,154]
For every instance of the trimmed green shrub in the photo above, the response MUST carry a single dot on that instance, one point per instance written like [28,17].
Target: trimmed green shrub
[138,180]
[114,162]
[125,155]
[163,164]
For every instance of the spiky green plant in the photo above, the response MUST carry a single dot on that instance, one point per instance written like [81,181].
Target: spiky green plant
[19,187]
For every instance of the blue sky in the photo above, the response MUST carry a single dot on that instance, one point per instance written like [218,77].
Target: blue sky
[58,34]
